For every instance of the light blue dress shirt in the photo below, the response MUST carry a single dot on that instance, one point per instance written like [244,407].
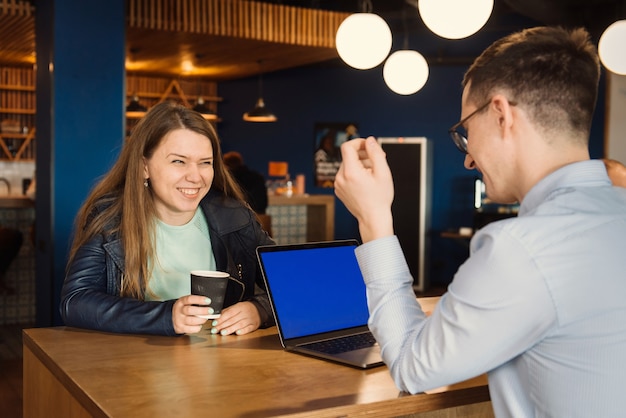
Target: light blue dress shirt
[540,305]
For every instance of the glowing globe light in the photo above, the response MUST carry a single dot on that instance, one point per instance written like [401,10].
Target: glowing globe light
[455,19]
[363,40]
[405,72]
[611,47]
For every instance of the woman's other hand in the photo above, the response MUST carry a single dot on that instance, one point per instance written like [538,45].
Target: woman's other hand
[240,318]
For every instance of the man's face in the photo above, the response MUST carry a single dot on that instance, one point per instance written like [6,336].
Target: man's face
[486,152]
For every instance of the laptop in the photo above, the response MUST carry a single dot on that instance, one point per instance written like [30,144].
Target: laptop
[318,299]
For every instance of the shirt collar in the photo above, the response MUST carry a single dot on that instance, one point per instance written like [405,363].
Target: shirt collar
[583,173]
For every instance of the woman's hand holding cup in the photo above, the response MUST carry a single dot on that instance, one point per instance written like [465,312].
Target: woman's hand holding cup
[190,313]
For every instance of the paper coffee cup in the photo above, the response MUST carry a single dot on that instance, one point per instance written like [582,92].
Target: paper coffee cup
[211,284]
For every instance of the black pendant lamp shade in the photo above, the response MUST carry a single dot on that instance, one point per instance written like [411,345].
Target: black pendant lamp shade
[260,113]
[135,109]
[202,108]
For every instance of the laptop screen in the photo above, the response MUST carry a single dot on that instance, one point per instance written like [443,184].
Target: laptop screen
[315,287]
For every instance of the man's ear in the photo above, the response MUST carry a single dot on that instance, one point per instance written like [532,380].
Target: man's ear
[503,109]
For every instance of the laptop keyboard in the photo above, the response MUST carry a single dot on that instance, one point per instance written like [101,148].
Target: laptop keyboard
[343,344]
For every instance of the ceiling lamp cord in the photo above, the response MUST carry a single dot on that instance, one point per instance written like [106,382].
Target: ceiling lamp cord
[405,71]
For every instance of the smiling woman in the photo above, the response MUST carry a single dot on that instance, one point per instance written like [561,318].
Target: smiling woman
[180,173]
[168,206]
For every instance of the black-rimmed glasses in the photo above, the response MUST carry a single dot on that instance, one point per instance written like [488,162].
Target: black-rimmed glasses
[459,138]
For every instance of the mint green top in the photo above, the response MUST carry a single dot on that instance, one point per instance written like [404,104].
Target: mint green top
[180,249]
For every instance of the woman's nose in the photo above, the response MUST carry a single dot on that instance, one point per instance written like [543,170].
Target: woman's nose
[193,172]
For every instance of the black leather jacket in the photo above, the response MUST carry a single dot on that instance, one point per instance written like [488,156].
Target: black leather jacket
[90,295]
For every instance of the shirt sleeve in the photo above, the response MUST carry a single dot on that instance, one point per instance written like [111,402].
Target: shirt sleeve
[482,321]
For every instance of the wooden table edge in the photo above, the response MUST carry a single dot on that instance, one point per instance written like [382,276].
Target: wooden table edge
[406,405]
[74,390]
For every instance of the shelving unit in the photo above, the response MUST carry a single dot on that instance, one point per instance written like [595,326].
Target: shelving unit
[17,113]
[18,147]
[18,104]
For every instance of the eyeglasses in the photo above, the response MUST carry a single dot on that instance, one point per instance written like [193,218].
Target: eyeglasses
[460,139]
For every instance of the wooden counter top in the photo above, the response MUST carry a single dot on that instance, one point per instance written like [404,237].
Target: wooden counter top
[302,199]
[81,373]
[16,202]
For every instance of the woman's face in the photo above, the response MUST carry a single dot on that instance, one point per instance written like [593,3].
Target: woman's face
[181,173]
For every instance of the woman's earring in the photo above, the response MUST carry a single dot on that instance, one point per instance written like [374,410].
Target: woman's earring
[145,183]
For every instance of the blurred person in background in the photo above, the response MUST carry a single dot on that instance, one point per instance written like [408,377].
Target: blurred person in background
[252,182]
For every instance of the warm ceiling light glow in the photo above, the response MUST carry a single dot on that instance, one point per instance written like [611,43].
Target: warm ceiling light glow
[405,72]
[611,47]
[455,19]
[187,66]
[363,40]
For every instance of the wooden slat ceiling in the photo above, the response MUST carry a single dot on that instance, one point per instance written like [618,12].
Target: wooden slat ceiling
[17,33]
[229,39]
[212,39]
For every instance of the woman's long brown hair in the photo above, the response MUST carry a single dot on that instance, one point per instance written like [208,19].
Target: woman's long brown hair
[121,204]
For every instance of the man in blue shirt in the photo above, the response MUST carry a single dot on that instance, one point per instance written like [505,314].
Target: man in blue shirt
[540,305]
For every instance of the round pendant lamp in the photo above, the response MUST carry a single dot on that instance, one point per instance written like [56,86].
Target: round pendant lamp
[363,40]
[455,19]
[611,47]
[405,72]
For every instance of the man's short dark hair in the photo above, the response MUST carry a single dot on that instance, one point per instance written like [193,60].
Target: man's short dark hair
[551,71]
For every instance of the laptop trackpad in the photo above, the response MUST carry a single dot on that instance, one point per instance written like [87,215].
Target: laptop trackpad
[364,357]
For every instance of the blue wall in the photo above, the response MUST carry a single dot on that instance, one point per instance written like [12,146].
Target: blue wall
[80,82]
[336,93]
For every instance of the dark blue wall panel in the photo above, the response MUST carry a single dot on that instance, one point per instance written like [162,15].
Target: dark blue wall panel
[83,53]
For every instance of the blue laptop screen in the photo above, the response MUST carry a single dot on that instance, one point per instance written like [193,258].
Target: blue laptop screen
[315,290]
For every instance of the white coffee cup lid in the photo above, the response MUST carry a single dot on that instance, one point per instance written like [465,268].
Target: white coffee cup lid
[209,273]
